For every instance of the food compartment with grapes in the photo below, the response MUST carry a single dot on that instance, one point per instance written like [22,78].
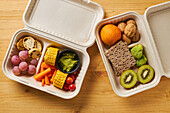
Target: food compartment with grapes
[25,58]
[60,67]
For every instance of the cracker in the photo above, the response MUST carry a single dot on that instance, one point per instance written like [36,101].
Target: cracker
[120,57]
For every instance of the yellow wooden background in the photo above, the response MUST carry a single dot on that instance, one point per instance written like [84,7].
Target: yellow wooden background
[96,94]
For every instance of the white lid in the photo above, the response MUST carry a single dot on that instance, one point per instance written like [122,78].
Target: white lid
[71,20]
[158,19]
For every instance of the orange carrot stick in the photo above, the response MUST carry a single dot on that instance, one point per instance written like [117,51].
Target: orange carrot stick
[43,81]
[47,80]
[42,74]
[52,79]
[50,75]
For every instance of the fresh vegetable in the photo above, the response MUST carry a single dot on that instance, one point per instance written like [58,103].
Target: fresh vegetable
[23,54]
[137,51]
[54,74]
[141,61]
[66,87]
[72,87]
[72,76]
[31,69]
[47,80]
[16,70]
[23,66]
[43,82]
[69,80]
[59,79]
[51,55]
[42,74]
[15,60]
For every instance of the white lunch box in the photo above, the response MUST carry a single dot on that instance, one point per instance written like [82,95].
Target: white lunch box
[154,28]
[66,24]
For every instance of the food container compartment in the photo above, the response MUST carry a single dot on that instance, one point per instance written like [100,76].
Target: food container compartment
[30,81]
[146,39]
[66,24]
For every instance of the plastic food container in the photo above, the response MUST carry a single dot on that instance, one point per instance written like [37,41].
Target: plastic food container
[153,27]
[66,24]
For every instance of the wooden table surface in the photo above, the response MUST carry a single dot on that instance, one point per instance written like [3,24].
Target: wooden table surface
[96,94]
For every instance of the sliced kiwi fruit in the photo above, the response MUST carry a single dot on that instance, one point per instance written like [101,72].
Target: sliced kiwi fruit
[128,79]
[145,74]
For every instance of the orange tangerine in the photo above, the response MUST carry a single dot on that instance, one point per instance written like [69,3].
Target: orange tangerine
[110,34]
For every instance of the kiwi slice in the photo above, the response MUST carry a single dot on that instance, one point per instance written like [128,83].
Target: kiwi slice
[145,74]
[128,79]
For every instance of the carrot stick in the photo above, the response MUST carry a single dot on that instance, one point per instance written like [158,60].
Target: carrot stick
[50,75]
[43,81]
[42,74]
[52,79]
[47,80]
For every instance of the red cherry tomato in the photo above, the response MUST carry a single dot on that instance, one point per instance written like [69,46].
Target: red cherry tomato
[66,87]
[72,76]
[72,87]
[69,80]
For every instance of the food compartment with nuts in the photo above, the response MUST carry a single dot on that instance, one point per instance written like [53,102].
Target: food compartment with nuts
[128,59]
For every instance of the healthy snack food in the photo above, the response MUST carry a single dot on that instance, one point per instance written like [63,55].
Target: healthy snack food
[27,59]
[23,66]
[34,53]
[131,22]
[20,45]
[137,51]
[136,37]
[34,62]
[31,69]
[120,57]
[23,54]
[141,61]
[16,70]
[145,74]
[51,55]
[128,79]
[130,30]
[15,60]
[67,61]
[110,34]
[59,79]
[38,45]
[126,39]
[122,26]
[29,43]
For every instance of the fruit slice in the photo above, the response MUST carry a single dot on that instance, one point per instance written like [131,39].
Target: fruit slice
[145,74]
[128,79]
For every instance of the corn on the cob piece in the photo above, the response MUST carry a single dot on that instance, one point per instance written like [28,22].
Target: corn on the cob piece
[59,79]
[51,55]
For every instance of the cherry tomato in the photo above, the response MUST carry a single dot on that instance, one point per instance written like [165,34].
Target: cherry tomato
[72,76]
[66,87]
[72,87]
[69,80]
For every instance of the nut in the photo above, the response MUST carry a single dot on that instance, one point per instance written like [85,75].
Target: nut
[121,26]
[136,37]
[126,39]
[131,21]
[130,30]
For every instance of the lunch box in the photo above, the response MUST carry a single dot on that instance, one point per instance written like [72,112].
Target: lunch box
[154,28]
[65,24]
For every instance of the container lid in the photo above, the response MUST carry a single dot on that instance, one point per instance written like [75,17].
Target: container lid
[158,20]
[71,20]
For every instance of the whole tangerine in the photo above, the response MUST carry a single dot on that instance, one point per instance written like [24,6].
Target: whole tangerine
[110,34]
